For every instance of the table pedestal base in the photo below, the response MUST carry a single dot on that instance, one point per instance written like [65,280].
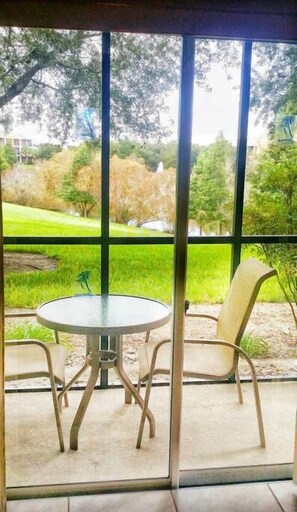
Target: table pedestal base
[101,359]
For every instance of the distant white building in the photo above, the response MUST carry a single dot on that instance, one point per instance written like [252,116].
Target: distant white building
[18,142]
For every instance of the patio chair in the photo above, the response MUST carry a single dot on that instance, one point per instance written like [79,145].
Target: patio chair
[214,359]
[27,359]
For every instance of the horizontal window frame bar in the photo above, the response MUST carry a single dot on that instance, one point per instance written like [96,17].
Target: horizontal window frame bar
[87,488]
[160,384]
[235,475]
[52,240]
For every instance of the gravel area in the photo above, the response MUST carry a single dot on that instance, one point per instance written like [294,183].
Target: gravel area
[272,322]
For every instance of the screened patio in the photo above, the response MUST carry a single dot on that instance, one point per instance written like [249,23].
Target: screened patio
[203,435]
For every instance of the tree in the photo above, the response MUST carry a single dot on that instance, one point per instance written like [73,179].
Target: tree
[272,210]
[51,175]
[3,160]
[166,196]
[46,151]
[210,189]
[28,155]
[10,155]
[49,74]
[152,153]
[137,195]
[274,80]
[22,186]
[80,180]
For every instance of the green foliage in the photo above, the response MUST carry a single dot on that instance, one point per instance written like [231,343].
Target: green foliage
[47,151]
[272,210]
[152,153]
[3,161]
[28,155]
[272,205]
[254,345]
[83,279]
[83,200]
[26,330]
[70,194]
[49,73]
[10,155]
[123,149]
[210,195]
[82,158]
[274,84]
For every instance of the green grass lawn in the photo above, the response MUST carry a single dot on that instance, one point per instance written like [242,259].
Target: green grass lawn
[138,270]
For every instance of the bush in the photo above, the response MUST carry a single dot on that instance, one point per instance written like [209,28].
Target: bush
[28,330]
[254,346]
[47,151]
[20,330]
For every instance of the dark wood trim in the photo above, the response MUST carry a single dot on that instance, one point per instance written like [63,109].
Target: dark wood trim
[272,20]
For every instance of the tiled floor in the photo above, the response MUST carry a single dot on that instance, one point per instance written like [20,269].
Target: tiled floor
[262,497]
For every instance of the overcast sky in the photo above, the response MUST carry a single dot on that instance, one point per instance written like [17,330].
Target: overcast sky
[213,112]
[217,111]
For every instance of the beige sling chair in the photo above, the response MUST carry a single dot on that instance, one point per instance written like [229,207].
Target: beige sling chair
[218,358]
[27,359]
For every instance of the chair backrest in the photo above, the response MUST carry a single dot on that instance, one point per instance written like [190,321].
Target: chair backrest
[240,299]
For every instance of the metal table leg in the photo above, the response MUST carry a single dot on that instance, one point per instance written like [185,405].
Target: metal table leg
[93,342]
[128,386]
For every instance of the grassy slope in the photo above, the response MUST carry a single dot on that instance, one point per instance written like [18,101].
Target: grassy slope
[140,270]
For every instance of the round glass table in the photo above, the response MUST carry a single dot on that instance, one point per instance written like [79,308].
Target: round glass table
[103,315]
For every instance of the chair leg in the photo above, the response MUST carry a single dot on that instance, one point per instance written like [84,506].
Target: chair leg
[66,401]
[70,383]
[259,413]
[139,384]
[57,413]
[138,387]
[238,385]
[147,337]
[258,402]
[144,412]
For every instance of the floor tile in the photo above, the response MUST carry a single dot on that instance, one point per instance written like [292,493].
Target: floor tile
[38,505]
[286,494]
[229,498]
[145,501]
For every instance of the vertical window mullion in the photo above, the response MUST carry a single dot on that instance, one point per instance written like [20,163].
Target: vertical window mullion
[244,105]
[105,154]
[2,401]
[180,249]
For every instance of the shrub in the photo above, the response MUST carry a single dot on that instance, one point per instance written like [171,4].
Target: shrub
[31,330]
[26,330]
[253,345]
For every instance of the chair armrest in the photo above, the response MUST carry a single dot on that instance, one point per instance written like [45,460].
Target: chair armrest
[199,341]
[19,315]
[13,343]
[210,341]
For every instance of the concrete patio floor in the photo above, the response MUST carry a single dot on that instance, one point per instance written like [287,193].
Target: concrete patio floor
[216,432]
